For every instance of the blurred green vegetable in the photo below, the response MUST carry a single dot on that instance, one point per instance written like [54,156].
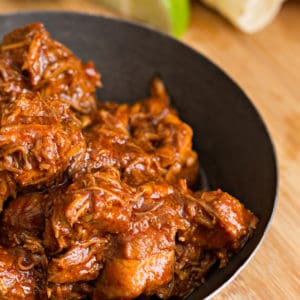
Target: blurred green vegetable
[170,16]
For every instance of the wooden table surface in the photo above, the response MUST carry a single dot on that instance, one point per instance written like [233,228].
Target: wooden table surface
[267,66]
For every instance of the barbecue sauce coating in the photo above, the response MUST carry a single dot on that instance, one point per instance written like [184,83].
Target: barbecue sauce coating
[98,201]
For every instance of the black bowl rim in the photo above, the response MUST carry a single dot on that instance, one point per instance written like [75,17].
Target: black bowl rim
[145,27]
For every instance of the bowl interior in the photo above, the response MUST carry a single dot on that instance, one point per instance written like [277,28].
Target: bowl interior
[234,147]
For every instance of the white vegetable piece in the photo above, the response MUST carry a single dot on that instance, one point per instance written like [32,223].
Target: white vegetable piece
[248,15]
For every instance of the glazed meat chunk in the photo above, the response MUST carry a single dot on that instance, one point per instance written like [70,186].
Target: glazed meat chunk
[21,277]
[22,252]
[145,141]
[128,279]
[100,200]
[40,139]
[156,127]
[23,217]
[31,61]
[109,144]
[82,261]
[12,81]
[79,224]
[141,260]
[219,225]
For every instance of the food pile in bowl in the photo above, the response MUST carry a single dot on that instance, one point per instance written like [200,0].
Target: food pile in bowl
[99,200]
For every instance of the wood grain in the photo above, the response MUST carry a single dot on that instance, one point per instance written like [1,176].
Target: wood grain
[267,66]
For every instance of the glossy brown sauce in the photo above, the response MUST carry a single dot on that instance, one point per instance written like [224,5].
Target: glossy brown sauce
[97,198]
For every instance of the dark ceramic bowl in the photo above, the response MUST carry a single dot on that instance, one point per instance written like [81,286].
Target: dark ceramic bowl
[234,147]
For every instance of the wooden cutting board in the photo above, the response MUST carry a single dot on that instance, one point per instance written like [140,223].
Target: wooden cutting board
[267,66]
